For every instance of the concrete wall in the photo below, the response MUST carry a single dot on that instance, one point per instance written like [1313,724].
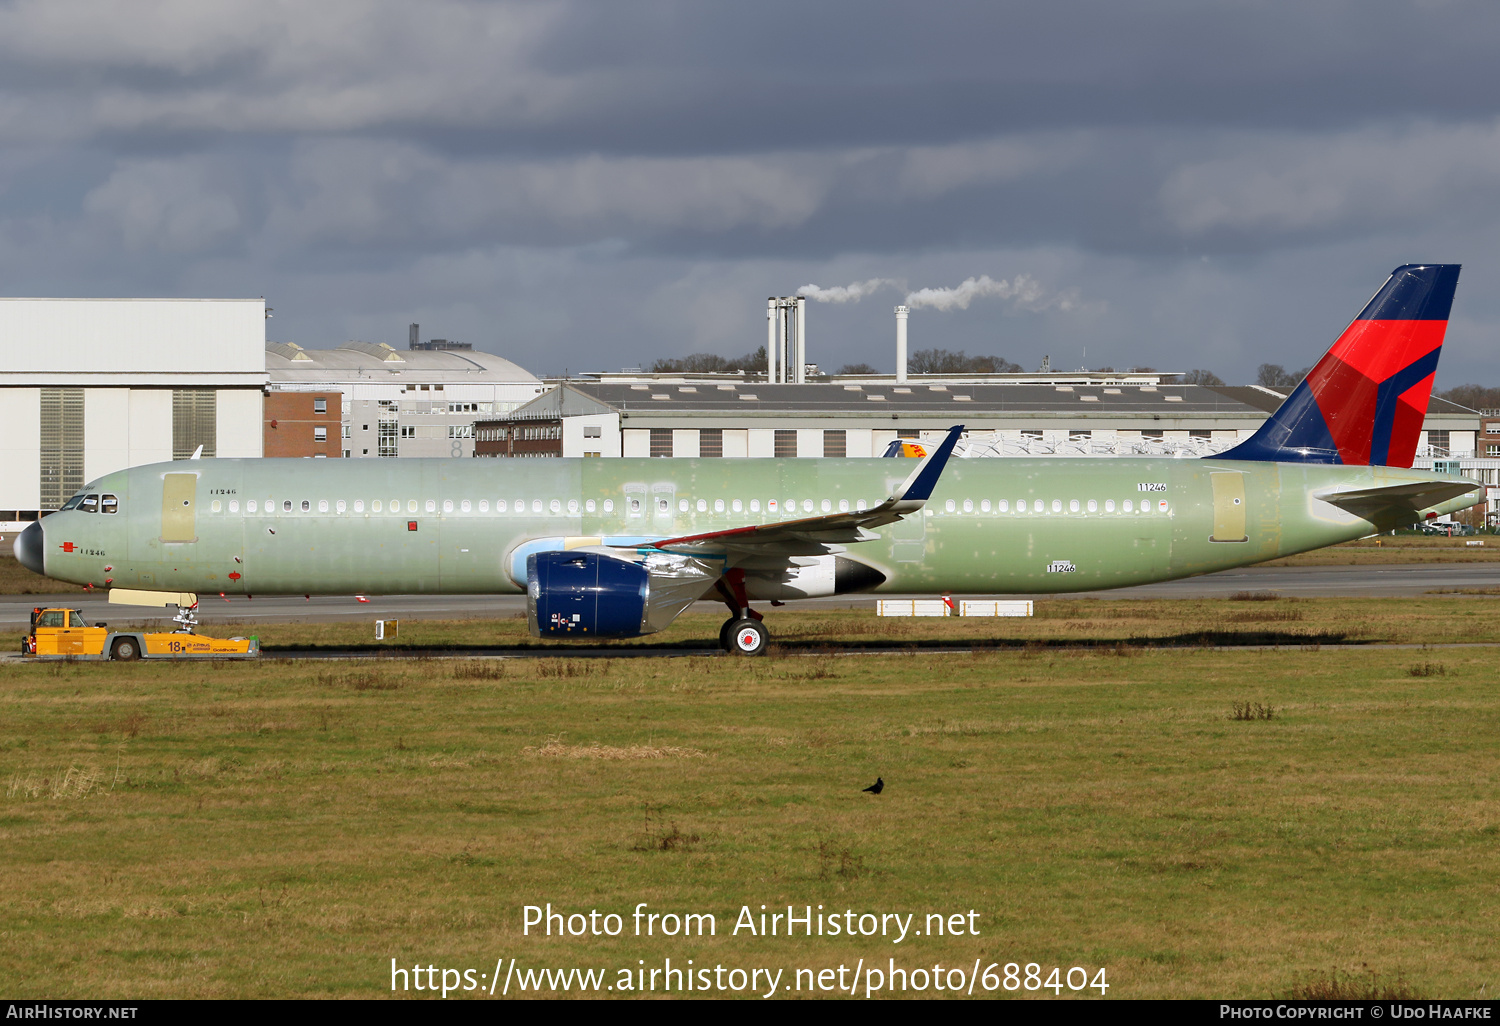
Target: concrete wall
[239,429]
[20,448]
[148,341]
[106,431]
[608,443]
[635,442]
[150,426]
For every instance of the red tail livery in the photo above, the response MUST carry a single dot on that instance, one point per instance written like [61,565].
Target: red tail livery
[1364,402]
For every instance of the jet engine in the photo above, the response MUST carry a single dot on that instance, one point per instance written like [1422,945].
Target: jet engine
[811,577]
[576,594]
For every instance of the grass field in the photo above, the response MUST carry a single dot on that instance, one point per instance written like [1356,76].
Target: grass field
[285,828]
[1251,618]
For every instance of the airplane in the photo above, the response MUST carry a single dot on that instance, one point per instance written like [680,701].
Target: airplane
[619,548]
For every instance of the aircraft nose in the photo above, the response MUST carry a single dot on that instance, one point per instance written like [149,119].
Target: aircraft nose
[29,549]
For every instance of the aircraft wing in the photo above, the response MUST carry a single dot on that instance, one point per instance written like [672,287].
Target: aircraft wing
[816,535]
[1411,495]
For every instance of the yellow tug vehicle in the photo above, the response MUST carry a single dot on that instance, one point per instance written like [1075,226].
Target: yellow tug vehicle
[65,634]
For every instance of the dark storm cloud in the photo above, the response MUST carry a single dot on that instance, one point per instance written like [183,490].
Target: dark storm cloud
[611,182]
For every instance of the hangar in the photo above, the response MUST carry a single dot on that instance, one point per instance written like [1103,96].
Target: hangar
[91,386]
[1073,414]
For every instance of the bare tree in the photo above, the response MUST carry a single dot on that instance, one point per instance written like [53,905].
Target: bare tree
[945,361]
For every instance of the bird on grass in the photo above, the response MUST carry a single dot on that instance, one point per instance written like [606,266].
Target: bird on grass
[876,787]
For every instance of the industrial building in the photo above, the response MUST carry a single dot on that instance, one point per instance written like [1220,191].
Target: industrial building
[1034,414]
[382,401]
[91,386]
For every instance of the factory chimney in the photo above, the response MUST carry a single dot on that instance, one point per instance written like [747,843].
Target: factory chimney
[801,373]
[901,312]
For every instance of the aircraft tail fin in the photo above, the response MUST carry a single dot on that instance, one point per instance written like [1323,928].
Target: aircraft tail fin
[1364,402]
[900,447]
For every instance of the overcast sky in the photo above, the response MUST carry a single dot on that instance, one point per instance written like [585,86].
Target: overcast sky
[1205,183]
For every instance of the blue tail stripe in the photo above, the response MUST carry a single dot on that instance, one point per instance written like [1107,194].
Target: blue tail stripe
[1388,397]
[1414,292]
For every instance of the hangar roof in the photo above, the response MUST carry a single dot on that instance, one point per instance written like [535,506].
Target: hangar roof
[366,361]
[1250,404]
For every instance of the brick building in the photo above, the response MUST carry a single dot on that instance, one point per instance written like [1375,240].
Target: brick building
[303,424]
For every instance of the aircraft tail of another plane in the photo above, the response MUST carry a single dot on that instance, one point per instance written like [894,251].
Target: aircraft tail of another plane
[1364,402]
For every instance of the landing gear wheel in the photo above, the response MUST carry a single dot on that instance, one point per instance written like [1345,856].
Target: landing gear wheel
[747,637]
[725,642]
[125,650]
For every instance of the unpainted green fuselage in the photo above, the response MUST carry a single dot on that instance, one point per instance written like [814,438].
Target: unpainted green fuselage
[439,525]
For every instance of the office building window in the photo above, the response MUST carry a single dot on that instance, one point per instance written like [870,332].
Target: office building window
[661,441]
[835,443]
[711,442]
[786,442]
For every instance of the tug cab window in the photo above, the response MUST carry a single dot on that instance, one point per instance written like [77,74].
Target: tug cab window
[52,618]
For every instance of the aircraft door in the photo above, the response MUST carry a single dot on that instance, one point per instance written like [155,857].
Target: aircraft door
[635,501]
[179,516]
[663,498]
[1229,506]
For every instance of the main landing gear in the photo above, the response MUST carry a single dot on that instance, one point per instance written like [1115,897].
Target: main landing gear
[743,633]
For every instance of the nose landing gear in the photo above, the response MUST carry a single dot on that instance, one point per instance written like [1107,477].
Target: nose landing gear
[743,633]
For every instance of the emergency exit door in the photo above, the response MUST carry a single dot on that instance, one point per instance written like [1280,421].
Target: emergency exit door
[179,515]
[1229,507]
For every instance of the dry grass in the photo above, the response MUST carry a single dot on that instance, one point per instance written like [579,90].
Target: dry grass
[1363,984]
[554,748]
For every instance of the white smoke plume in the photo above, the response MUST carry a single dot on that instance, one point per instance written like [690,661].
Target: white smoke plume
[1023,291]
[851,293]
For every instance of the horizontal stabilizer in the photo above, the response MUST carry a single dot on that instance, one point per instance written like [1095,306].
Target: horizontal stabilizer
[1412,495]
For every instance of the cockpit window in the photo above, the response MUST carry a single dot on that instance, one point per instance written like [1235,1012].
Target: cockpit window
[108,503]
[72,503]
[90,504]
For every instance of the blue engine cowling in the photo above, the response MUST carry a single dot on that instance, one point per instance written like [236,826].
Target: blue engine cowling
[583,594]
